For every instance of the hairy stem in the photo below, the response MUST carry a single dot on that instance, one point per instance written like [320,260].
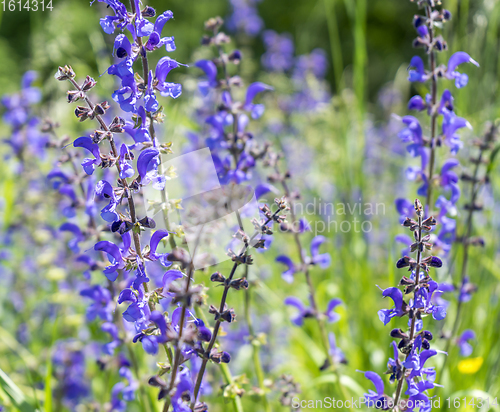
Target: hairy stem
[414,318]
[215,332]
[466,244]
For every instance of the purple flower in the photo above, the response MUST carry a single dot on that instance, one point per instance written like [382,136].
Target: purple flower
[279,55]
[127,95]
[257,110]
[405,209]
[210,69]
[461,79]
[331,315]
[155,40]
[287,275]
[375,398]
[150,101]
[405,240]
[335,352]
[77,235]
[164,66]
[316,63]
[153,245]
[103,304]
[417,103]
[147,167]
[303,311]
[412,134]
[466,290]
[120,20]
[87,143]
[150,342]
[463,344]
[417,75]
[245,17]
[323,260]
[123,392]
[142,132]
[125,155]
[122,46]
[114,256]
[104,189]
[451,123]
[112,329]
[385,315]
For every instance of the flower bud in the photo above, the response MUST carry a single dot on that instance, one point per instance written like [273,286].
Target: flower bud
[217,277]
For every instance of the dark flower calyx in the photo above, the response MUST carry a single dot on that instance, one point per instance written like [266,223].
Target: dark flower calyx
[64,73]
[427,335]
[418,20]
[117,125]
[213,310]
[201,407]
[74,95]
[235,57]
[220,357]
[180,255]
[99,135]
[88,84]
[228,315]
[433,261]
[405,262]
[238,284]
[406,281]
[214,23]
[148,11]
[261,244]
[83,113]
[410,223]
[217,277]
[476,241]
[121,226]
[99,109]
[418,207]
[157,382]
[398,334]
[147,222]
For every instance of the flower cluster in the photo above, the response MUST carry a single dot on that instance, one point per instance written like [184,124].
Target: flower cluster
[299,227]
[245,17]
[464,288]
[439,108]
[413,344]
[235,152]
[127,241]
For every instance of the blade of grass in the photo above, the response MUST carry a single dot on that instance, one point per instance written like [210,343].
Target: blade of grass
[15,394]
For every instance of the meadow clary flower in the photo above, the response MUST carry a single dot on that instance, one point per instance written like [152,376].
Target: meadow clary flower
[461,79]
[279,55]
[245,17]
[376,398]
[463,342]
[385,315]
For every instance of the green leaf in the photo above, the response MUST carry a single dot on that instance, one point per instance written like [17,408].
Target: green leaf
[15,394]
[493,156]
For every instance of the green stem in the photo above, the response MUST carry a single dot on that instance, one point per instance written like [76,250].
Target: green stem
[335,44]
[255,349]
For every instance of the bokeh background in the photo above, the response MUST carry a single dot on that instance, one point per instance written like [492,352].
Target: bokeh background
[345,150]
